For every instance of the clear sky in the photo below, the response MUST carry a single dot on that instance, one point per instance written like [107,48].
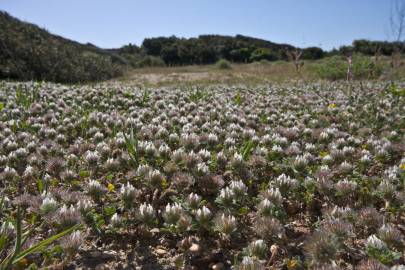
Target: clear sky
[113,23]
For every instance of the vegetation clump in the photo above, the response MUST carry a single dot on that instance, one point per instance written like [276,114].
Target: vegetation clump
[336,68]
[223,64]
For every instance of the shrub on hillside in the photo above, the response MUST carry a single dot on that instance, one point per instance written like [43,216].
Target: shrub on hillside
[28,52]
[335,68]
[223,64]
[263,54]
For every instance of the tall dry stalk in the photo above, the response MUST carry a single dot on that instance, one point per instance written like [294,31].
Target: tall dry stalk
[295,57]
[350,75]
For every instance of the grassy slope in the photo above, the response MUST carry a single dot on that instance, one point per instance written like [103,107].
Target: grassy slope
[30,52]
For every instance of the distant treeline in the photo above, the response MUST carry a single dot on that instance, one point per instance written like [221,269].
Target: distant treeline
[30,52]
[369,47]
[207,49]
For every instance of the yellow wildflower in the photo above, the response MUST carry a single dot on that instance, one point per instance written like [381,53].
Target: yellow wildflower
[323,154]
[110,187]
[292,264]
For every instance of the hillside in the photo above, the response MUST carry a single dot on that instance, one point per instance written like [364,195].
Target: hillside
[30,52]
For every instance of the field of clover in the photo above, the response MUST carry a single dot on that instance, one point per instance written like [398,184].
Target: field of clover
[113,176]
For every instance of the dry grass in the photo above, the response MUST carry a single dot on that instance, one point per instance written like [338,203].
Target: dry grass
[255,73]
[248,74]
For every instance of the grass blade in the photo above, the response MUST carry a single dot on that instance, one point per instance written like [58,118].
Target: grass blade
[44,243]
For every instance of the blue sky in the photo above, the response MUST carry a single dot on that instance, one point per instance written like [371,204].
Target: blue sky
[113,23]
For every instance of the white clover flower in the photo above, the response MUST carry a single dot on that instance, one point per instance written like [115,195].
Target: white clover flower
[386,187]
[285,183]
[128,194]
[221,157]
[21,153]
[258,248]
[64,209]
[9,173]
[178,155]
[98,136]
[238,188]
[366,159]
[266,140]
[248,133]
[237,157]
[155,178]
[374,242]
[381,153]
[162,133]
[84,206]
[310,147]
[202,169]
[120,142]
[71,243]
[274,195]
[68,216]
[95,189]
[164,150]
[346,187]
[29,171]
[146,213]
[226,196]
[7,228]
[328,159]
[265,207]
[278,140]
[212,139]
[249,263]
[229,142]
[348,150]
[143,170]
[115,220]
[261,151]
[226,224]
[307,131]
[324,136]
[300,162]
[3,160]
[77,236]
[193,200]
[346,167]
[173,138]
[324,169]
[150,149]
[392,173]
[111,164]
[92,158]
[203,214]
[48,205]
[72,158]
[277,149]
[172,213]
[204,154]
[293,149]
